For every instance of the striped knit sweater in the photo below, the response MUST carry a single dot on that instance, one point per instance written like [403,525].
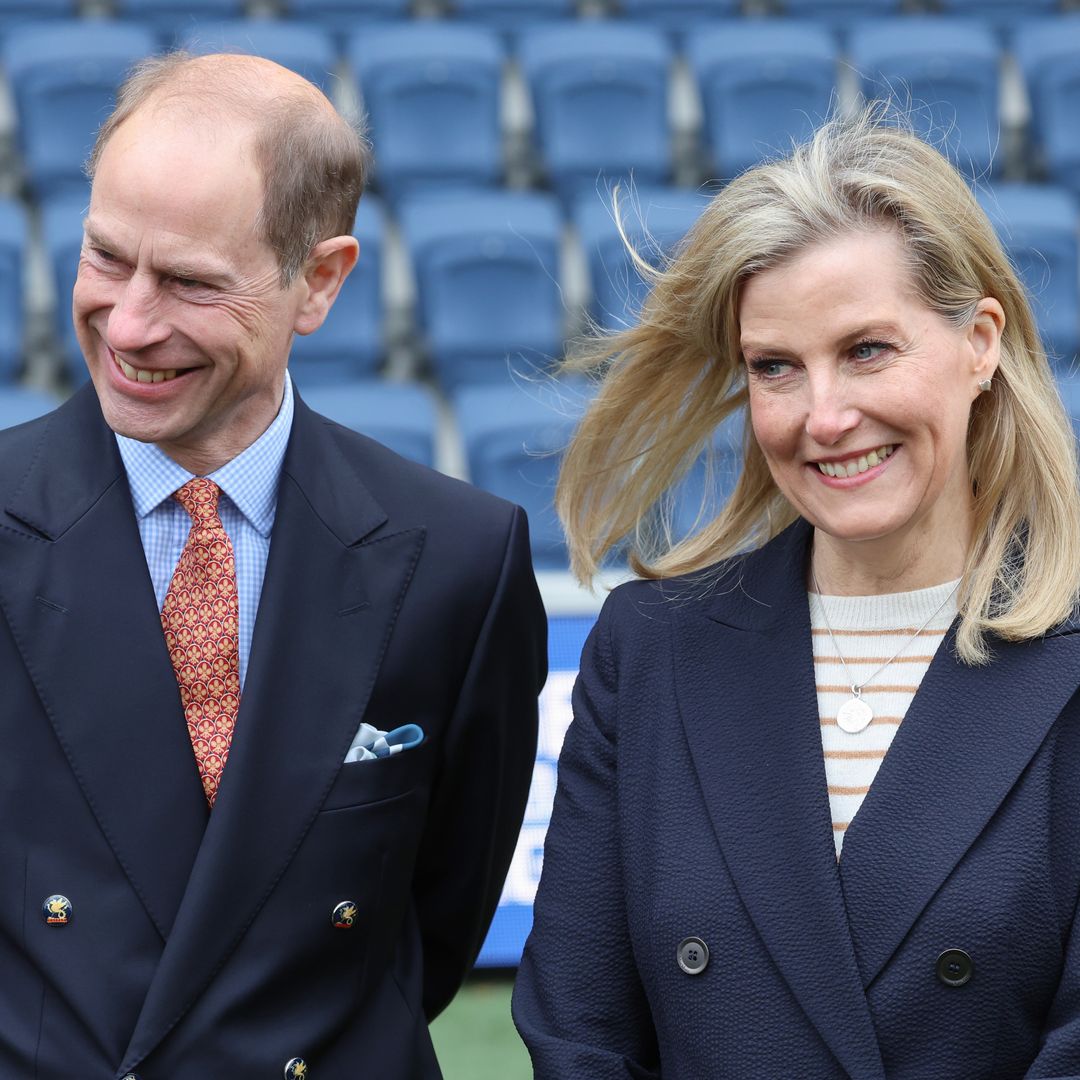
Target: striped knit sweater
[868,630]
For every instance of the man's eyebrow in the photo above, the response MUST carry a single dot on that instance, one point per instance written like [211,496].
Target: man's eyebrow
[94,236]
[209,271]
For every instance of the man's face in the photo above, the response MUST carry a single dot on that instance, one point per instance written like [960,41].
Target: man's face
[178,304]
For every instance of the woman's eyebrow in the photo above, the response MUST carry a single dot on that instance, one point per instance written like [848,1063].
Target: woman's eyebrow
[886,328]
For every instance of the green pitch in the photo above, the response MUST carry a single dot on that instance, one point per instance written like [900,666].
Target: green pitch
[475,1038]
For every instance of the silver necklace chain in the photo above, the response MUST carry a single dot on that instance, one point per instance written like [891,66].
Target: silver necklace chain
[857,712]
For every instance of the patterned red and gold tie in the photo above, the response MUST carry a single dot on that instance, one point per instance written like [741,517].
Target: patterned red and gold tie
[201,620]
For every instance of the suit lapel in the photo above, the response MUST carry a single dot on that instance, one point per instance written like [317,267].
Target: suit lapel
[328,606]
[746,693]
[75,589]
[967,736]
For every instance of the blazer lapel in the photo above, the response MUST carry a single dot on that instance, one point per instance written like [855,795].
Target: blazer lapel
[75,588]
[967,736]
[327,609]
[746,693]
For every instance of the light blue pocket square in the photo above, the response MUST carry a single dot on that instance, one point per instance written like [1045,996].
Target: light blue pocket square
[370,744]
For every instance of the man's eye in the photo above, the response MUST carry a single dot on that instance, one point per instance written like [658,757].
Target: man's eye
[190,283]
[104,256]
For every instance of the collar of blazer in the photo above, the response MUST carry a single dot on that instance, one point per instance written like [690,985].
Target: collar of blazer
[76,461]
[747,697]
[75,590]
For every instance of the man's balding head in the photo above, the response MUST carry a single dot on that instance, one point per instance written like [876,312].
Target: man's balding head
[312,162]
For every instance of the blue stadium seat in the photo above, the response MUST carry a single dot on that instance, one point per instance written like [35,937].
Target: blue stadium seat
[1004,14]
[13,236]
[64,77]
[839,11]
[600,98]
[1048,52]
[654,222]
[678,16]
[948,70]
[18,404]
[349,344]
[432,95]
[711,480]
[341,17]
[1068,384]
[514,436]
[173,18]
[61,222]
[399,415]
[1039,227]
[486,267]
[763,83]
[307,50]
[15,12]
[512,15]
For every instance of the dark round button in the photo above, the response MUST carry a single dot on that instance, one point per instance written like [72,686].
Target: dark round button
[955,967]
[693,955]
[344,915]
[296,1069]
[56,910]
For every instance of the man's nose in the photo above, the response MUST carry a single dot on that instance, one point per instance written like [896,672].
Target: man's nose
[831,413]
[136,321]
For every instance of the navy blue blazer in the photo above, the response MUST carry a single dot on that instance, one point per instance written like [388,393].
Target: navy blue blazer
[692,802]
[203,945]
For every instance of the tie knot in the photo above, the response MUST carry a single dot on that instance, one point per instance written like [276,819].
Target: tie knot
[199,497]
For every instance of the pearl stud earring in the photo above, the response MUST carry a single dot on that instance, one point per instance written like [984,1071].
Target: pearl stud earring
[984,385]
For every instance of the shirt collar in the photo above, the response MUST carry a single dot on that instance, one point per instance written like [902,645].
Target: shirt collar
[250,479]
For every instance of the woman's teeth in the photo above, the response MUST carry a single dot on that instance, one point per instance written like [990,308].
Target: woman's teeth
[139,375]
[856,465]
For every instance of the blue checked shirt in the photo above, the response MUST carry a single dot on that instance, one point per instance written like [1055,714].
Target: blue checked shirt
[249,486]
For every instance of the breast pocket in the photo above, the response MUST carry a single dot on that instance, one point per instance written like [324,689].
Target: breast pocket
[361,782]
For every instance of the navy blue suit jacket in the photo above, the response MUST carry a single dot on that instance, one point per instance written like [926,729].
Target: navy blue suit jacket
[692,802]
[202,945]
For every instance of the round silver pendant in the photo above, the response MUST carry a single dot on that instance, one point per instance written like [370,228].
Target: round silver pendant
[854,715]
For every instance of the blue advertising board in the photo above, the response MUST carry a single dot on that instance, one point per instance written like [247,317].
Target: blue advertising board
[513,919]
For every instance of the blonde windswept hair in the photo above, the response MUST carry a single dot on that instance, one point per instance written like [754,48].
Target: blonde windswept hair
[669,381]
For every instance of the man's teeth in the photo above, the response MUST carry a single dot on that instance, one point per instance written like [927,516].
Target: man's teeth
[856,465]
[140,375]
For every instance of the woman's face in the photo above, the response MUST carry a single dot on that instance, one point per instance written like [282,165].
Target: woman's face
[860,394]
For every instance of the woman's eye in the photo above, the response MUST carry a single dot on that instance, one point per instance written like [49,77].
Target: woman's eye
[769,369]
[869,350]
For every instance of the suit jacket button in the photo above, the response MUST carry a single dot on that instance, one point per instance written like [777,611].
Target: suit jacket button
[56,910]
[344,915]
[955,967]
[296,1069]
[693,955]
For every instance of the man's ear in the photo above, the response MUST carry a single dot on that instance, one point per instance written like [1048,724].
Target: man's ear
[327,267]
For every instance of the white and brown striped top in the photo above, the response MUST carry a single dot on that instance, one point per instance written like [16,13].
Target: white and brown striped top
[868,630]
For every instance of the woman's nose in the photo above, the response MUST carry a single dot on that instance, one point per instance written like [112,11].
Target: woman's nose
[831,413]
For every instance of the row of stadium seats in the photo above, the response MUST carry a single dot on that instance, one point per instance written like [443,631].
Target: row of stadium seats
[600,91]
[487,270]
[677,16]
[512,437]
